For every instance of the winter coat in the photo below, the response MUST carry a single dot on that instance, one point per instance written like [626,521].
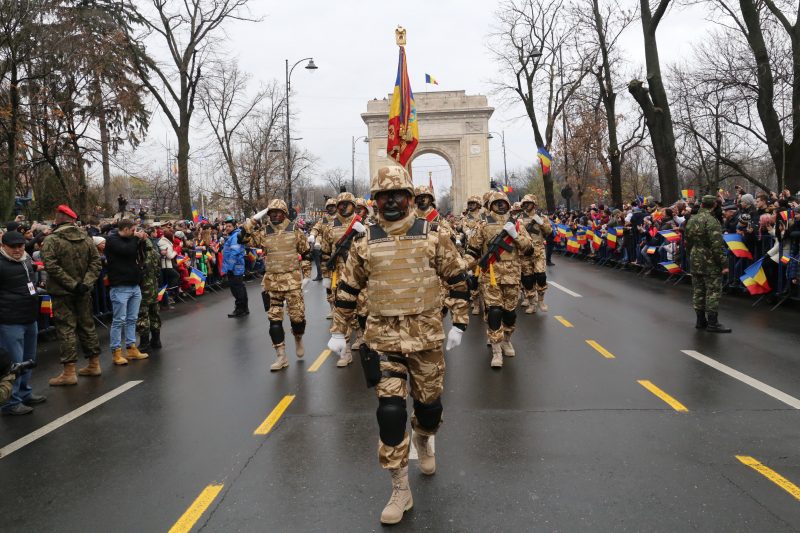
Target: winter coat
[17,305]
[70,257]
[233,254]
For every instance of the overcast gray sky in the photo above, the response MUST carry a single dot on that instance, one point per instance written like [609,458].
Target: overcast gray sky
[352,43]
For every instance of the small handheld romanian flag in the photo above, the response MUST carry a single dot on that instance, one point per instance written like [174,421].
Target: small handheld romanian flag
[195,215]
[651,250]
[670,235]
[572,246]
[737,245]
[785,259]
[198,279]
[403,125]
[687,193]
[755,280]
[545,159]
[162,292]
[46,305]
[671,267]
[181,259]
[611,240]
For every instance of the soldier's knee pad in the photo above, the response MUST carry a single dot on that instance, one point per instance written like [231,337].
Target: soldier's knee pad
[362,322]
[429,415]
[276,331]
[298,328]
[392,420]
[541,279]
[509,318]
[528,280]
[495,317]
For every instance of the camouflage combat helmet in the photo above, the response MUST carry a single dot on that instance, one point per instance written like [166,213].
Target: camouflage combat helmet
[474,198]
[391,178]
[420,190]
[498,195]
[529,198]
[485,199]
[345,197]
[360,202]
[330,202]
[277,204]
[517,206]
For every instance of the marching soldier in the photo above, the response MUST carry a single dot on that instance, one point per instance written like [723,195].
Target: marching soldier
[425,203]
[317,230]
[334,245]
[284,245]
[148,323]
[501,283]
[534,263]
[708,262]
[401,261]
[470,223]
[362,210]
[73,265]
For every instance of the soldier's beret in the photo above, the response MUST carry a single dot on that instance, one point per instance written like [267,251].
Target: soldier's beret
[63,208]
[708,198]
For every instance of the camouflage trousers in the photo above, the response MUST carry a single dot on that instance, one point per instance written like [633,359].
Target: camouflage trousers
[535,266]
[74,322]
[505,296]
[706,292]
[293,300]
[149,317]
[426,379]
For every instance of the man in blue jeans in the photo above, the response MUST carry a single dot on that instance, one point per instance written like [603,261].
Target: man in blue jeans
[125,254]
[19,312]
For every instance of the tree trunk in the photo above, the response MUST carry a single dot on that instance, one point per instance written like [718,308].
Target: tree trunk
[9,174]
[106,164]
[184,198]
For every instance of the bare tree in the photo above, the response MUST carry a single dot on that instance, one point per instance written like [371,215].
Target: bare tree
[188,29]
[655,106]
[537,49]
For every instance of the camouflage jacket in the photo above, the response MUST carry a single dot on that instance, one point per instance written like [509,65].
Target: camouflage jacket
[6,387]
[404,333]
[538,232]
[319,227]
[506,272]
[328,243]
[151,273]
[286,281]
[707,251]
[70,257]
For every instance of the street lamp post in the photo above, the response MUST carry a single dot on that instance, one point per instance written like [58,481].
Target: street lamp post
[309,66]
[503,142]
[353,160]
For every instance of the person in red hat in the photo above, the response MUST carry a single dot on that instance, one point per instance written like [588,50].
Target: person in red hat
[73,265]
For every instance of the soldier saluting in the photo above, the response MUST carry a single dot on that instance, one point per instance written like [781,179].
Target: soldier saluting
[401,261]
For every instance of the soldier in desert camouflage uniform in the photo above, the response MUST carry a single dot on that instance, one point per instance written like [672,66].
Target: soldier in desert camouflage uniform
[469,225]
[317,230]
[401,261]
[287,263]
[534,267]
[362,210]
[500,285]
[345,211]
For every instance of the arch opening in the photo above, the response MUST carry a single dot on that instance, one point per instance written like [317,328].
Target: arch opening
[428,166]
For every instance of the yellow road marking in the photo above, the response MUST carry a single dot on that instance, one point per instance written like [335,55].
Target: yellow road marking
[605,353]
[564,321]
[321,359]
[272,419]
[770,474]
[187,521]
[675,404]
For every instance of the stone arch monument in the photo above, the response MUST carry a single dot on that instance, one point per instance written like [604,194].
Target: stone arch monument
[453,125]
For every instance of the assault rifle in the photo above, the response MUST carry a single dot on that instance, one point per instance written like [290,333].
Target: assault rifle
[343,244]
[502,242]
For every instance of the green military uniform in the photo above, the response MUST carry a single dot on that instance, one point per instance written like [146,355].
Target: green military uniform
[71,258]
[149,318]
[708,257]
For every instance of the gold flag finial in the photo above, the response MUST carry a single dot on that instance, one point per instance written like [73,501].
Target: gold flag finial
[400,36]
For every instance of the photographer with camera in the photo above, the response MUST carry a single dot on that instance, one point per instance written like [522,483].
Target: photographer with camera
[19,311]
[9,373]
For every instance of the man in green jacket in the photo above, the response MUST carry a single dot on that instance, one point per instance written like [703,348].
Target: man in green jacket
[148,323]
[73,265]
[708,262]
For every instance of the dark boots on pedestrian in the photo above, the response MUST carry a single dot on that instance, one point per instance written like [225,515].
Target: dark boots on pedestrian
[155,338]
[144,340]
[238,313]
[701,323]
[714,326]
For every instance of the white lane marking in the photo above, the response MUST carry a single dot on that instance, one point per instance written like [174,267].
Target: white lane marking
[413,455]
[744,378]
[69,417]
[561,287]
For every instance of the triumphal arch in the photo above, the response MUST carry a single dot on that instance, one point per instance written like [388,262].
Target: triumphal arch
[452,124]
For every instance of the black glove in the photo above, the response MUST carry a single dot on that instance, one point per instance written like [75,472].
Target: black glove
[80,289]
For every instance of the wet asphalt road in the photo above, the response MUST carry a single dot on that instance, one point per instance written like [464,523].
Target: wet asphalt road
[561,439]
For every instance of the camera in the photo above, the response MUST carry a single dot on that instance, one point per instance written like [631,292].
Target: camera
[20,368]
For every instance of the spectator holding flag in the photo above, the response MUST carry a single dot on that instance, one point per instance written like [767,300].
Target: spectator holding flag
[19,312]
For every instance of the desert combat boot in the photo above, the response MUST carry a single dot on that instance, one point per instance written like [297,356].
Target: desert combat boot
[427,460]
[401,500]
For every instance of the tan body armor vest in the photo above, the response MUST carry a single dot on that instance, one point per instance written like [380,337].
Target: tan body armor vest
[492,228]
[281,251]
[401,280]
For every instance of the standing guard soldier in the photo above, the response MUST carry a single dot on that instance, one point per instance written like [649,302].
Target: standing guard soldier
[317,230]
[470,224]
[73,265]
[336,244]
[287,263]
[500,283]
[148,324]
[534,261]
[401,261]
[708,261]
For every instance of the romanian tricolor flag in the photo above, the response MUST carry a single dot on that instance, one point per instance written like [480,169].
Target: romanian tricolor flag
[251,256]
[573,246]
[195,215]
[669,235]
[786,215]
[620,231]
[198,279]
[198,255]
[737,246]
[755,280]
[671,267]
[687,193]
[651,250]
[431,80]
[611,240]
[597,241]
[507,189]
[545,159]
[181,259]
[403,125]
[162,292]
[785,259]
[46,305]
